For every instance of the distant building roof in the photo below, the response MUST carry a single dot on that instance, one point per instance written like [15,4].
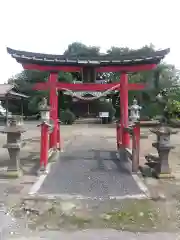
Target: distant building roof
[99,61]
[8,91]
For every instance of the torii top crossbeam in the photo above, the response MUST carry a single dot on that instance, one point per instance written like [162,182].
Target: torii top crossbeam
[103,63]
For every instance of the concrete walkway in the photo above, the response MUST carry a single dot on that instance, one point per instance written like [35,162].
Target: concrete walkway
[89,168]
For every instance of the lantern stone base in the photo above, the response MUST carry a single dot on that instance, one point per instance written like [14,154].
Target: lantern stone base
[13,173]
[147,171]
[13,170]
[165,169]
[166,176]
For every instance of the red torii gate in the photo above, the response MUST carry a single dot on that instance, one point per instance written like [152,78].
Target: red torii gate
[53,86]
[55,63]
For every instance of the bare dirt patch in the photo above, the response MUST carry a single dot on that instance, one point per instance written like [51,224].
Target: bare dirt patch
[131,215]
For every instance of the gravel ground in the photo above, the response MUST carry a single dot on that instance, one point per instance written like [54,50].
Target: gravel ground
[100,235]
[11,191]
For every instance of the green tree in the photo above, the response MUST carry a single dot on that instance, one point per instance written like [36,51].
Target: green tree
[78,49]
[164,76]
[24,83]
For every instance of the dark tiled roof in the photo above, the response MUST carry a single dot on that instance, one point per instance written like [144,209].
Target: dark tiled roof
[7,90]
[103,60]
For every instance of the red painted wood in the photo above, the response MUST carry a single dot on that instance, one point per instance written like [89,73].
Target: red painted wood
[136,86]
[121,115]
[124,87]
[49,68]
[134,68]
[86,86]
[124,109]
[53,101]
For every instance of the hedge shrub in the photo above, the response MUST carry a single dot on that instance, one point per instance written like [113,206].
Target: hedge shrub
[67,117]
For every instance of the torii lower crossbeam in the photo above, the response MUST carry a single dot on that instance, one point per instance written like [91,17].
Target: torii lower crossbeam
[86,86]
[123,87]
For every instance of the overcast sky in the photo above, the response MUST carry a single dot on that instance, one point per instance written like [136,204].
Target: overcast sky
[50,25]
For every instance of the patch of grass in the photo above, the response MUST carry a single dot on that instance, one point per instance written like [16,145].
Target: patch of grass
[131,215]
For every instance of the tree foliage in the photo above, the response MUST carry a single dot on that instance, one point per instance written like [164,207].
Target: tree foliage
[173,108]
[77,49]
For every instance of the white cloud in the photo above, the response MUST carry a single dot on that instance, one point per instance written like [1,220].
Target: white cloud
[49,26]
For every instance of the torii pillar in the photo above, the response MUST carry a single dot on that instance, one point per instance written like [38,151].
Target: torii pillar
[53,102]
[124,118]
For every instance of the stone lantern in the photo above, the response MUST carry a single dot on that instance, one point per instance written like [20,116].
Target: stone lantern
[134,111]
[14,144]
[157,165]
[45,114]
[44,110]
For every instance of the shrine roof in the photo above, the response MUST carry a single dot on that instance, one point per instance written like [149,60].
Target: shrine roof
[8,91]
[102,60]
